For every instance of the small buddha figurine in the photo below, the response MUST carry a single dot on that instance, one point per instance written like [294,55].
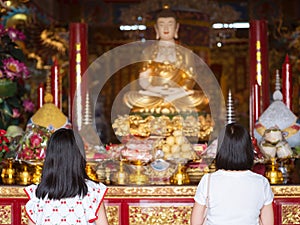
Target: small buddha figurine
[167,77]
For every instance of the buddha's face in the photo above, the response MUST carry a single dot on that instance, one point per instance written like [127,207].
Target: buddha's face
[166,28]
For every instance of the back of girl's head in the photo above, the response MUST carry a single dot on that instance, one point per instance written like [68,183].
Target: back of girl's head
[67,143]
[64,167]
[235,149]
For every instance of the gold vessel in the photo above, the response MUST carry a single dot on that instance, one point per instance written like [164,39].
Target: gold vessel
[121,175]
[101,173]
[24,177]
[196,171]
[107,175]
[37,174]
[273,174]
[138,177]
[8,173]
[180,177]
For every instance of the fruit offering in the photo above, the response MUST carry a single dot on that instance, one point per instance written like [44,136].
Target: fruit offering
[176,146]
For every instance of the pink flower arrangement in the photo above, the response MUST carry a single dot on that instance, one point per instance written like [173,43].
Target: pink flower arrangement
[15,105]
[12,68]
[14,34]
[34,144]
[28,105]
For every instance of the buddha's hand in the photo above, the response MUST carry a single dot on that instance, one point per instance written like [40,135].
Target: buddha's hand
[144,80]
[180,92]
[160,91]
[165,92]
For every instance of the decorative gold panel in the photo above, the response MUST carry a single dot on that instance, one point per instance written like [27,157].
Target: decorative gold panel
[12,192]
[172,214]
[112,213]
[5,214]
[290,214]
[152,191]
[24,218]
[286,191]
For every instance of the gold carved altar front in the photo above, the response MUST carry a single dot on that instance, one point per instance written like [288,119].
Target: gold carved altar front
[135,205]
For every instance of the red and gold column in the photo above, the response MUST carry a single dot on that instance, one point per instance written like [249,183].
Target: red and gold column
[78,62]
[259,73]
[287,87]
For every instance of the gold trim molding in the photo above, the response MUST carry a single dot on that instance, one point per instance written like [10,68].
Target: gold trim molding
[12,192]
[153,191]
[286,190]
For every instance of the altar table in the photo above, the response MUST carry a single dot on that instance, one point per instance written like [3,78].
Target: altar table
[149,205]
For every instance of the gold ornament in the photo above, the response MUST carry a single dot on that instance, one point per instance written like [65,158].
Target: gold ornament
[180,177]
[273,174]
[8,173]
[24,177]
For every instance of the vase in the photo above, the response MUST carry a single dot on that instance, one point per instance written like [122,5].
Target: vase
[8,173]
[8,88]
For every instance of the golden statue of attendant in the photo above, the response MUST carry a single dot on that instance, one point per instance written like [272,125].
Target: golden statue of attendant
[167,77]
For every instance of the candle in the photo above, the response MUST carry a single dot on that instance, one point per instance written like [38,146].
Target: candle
[287,83]
[259,75]
[40,95]
[55,84]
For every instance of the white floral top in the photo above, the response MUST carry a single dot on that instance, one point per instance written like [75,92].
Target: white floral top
[69,211]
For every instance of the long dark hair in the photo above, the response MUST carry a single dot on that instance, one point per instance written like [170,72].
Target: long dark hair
[63,173]
[235,149]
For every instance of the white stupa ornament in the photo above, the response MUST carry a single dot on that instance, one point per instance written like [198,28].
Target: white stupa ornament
[279,115]
[230,114]
[93,145]
[277,95]
[87,117]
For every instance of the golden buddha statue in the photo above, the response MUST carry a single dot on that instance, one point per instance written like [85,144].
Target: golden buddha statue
[167,77]
[169,96]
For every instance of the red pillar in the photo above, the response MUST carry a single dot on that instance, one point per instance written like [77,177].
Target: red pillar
[78,62]
[259,72]
[287,80]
